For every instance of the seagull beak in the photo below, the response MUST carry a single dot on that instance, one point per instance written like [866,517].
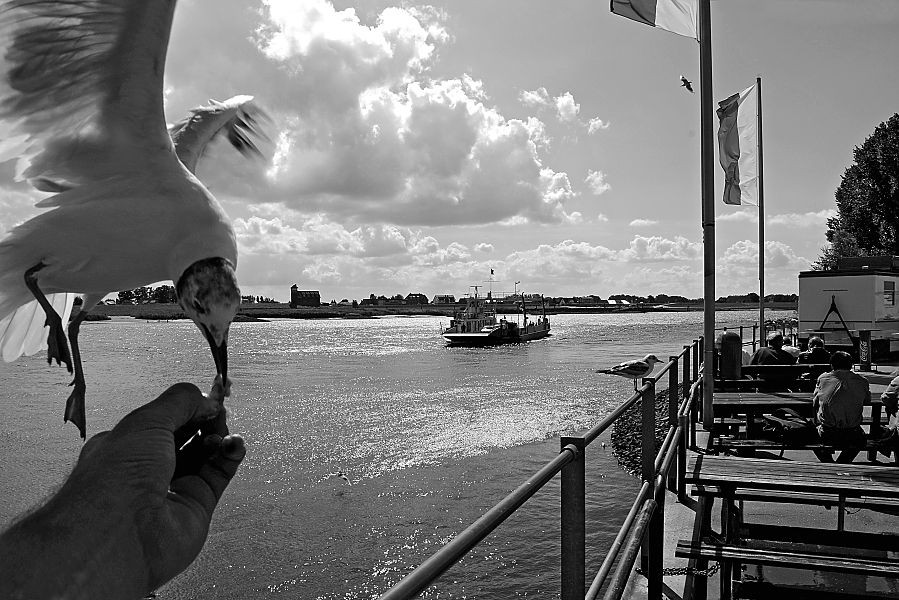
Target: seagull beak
[219,355]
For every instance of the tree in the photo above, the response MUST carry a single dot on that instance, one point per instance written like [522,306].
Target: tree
[164,294]
[867,219]
[125,297]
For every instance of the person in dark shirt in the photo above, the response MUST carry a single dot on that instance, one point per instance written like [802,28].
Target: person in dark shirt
[773,354]
[816,354]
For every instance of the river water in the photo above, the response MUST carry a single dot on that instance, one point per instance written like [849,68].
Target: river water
[429,436]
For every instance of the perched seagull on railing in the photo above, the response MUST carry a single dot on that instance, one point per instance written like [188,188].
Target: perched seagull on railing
[81,108]
[686,83]
[633,369]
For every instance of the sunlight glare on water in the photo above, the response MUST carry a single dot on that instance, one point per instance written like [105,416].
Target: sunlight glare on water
[429,436]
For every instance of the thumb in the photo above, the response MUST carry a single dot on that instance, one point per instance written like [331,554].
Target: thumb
[179,405]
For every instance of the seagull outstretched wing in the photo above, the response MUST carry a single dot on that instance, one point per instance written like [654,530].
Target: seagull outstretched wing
[237,118]
[81,92]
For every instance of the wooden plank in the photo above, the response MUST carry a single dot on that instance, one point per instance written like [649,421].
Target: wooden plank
[775,556]
[874,543]
[846,479]
[789,497]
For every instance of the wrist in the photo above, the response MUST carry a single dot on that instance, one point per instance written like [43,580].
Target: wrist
[71,548]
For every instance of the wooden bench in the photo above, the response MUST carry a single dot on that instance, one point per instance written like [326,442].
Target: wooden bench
[885,505]
[767,378]
[725,443]
[766,480]
[836,558]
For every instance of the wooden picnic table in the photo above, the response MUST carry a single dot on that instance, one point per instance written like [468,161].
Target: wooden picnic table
[752,404]
[727,477]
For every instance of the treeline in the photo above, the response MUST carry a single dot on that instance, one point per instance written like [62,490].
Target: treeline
[163,294]
[732,299]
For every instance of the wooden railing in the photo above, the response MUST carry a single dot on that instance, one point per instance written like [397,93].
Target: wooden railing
[641,532]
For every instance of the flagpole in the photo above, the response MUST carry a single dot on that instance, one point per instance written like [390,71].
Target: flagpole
[708,208]
[758,88]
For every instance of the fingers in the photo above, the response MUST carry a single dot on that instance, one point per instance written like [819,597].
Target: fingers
[212,476]
[179,405]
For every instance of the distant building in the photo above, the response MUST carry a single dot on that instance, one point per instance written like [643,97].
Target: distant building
[248,299]
[416,299]
[300,297]
[444,299]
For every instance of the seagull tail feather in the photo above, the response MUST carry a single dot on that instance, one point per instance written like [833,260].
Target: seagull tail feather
[24,330]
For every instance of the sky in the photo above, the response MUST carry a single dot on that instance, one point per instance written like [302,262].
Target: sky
[415,146]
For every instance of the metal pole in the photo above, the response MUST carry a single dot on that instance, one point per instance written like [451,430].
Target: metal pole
[622,572]
[687,381]
[656,542]
[573,509]
[672,412]
[758,91]
[707,149]
[648,447]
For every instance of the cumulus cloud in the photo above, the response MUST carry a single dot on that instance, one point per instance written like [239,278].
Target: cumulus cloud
[643,223]
[566,108]
[596,181]
[739,216]
[596,124]
[483,248]
[601,218]
[363,133]
[808,219]
[534,98]
[657,248]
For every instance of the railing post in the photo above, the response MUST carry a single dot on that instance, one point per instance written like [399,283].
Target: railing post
[673,395]
[683,421]
[573,510]
[648,451]
[687,381]
[696,354]
[656,541]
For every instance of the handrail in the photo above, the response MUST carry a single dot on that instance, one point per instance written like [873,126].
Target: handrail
[425,574]
[623,572]
[609,560]
[644,516]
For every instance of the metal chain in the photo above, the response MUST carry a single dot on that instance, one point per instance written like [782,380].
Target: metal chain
[679,571]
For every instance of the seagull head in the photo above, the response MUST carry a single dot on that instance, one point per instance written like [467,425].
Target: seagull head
[651,359]
[208,293]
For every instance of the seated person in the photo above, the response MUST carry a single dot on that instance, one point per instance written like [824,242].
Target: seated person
[816,354]
[840,396]
[773,354]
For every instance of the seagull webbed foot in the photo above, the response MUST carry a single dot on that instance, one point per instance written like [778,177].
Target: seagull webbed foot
[75,406]
[57,344]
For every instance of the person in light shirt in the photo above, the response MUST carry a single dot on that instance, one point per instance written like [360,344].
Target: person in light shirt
[840,396]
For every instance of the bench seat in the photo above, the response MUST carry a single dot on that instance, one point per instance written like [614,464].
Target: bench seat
[794,556]
[890,505]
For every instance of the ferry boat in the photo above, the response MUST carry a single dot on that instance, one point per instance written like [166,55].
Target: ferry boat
[476,325]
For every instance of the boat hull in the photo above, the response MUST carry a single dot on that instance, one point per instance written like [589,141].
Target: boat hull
[491,339]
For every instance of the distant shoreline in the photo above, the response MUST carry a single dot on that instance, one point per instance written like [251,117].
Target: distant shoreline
[263,312]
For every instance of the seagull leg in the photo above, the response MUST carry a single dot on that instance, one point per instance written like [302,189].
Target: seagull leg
[57,346]
[75,403]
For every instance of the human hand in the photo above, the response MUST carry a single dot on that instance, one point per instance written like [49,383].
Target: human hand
[134,512]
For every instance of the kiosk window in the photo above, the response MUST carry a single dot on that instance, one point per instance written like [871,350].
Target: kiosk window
[889,293]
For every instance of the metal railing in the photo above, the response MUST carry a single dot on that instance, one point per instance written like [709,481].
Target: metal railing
[642,529]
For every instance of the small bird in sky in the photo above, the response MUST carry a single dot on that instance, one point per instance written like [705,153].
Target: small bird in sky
[633,369]
[686,83]
[81,108]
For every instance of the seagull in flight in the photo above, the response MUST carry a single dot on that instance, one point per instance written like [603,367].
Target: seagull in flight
[81,109]
[633,369]
[686,83]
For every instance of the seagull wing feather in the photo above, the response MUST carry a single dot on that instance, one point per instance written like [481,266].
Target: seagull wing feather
[237,118]
[81,87]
